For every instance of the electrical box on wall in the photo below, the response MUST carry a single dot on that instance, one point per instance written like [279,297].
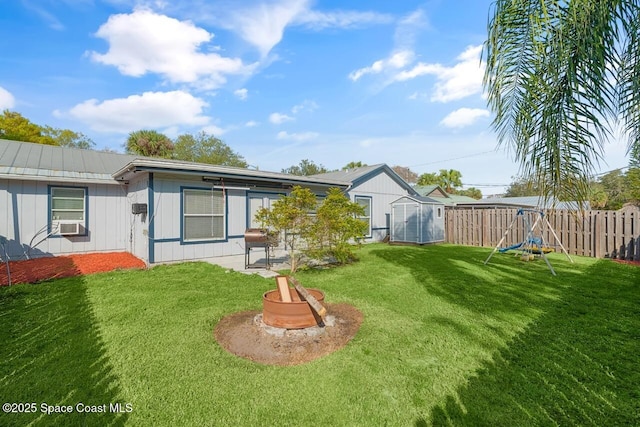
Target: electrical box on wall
[139,208]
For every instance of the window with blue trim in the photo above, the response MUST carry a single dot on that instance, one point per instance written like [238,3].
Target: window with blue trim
[68,204]
[365,202]
[203,215]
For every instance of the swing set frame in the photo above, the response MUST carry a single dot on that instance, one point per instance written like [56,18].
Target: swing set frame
[527,246]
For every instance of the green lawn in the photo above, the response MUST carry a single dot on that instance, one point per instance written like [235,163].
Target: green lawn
[445,341]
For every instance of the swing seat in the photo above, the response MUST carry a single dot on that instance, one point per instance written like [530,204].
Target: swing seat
[541,250]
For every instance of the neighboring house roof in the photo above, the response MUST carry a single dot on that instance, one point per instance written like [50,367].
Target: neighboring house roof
[359,175]
[431,190]
[523,202]
[30,161]
[436,192]
[456,199]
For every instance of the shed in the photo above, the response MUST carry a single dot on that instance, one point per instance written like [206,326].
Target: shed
[417,219]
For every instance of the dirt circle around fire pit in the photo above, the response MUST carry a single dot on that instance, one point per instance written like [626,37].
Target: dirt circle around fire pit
[240,334]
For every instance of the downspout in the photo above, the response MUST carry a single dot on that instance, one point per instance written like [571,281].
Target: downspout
[151,232]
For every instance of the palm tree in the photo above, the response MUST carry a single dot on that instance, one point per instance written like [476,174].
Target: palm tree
[449,180]
[149,143]
[560,76]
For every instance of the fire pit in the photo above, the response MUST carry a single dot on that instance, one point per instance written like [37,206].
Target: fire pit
[293,308]
[296,314]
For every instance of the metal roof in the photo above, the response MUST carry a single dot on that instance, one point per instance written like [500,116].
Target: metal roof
[421,199]
[217,171]
[37,161]
[25,160]
[357,175]
[523,202]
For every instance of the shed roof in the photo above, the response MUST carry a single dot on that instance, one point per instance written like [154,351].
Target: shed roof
[420,199]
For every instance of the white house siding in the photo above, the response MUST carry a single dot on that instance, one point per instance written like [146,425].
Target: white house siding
[139,224]
[166,243]
[383,190]
[24,213]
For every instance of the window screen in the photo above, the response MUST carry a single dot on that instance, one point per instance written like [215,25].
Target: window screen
[203,216]
[67,204]
[365,202]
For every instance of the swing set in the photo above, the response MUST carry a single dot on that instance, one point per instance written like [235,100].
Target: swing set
[533,244]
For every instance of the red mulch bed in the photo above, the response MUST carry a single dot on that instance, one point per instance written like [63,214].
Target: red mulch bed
[37,270]
[622,261]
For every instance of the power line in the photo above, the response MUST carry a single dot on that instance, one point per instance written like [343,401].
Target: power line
[455,158]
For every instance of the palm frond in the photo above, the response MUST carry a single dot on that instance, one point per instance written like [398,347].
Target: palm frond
[550,84]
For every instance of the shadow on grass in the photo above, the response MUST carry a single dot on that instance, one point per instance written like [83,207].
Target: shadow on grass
[52,353]
[576,364]
[505,286]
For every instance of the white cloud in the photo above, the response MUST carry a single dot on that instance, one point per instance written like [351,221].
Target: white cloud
[408,29]
[214,130]
[457,82]
[278,118]
[7,101]
[264,24]
[251,123]
[306,105]
[241,93]
[340,19]
[151,110]
[396,61]
[464,117]
[145,42]
[304,136]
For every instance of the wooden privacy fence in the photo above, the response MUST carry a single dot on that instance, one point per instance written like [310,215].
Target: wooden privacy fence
[599,234]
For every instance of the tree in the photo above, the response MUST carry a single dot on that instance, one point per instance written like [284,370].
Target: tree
[305,168]
[615,187]
[69,138]
[598,197]
[558,76]
[522,187]
[335,226]
[471,192]
[16,127]
[633,175]
[149,143]
[205,148]
[406,174]
[427,179]
[353,165]
[290,217]
[450,180]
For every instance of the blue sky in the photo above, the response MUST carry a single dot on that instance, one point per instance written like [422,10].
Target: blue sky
[279,81]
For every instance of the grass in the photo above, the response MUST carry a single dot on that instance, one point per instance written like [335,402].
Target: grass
[445,341]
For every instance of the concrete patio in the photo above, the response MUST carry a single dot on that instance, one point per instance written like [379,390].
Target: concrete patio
[278,260]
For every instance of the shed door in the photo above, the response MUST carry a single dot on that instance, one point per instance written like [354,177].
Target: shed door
[412,223]
[405,223]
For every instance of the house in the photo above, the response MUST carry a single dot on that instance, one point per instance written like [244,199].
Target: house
[375,188]
[436,192]
[527,202]
[58,200]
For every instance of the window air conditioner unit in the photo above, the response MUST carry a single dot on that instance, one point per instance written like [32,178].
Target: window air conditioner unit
[67,228]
